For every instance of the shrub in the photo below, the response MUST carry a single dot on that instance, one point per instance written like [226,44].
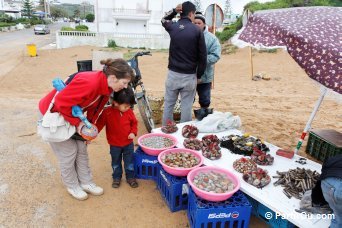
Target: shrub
[230,30]
[81,28]
[112,44]
[90,17]
[4,24]
[36,21]
[5,18]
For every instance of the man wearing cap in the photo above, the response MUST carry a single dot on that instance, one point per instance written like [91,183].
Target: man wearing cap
[187,60]
[213,55]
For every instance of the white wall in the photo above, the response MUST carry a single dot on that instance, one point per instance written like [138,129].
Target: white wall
[121,39]
[2,3]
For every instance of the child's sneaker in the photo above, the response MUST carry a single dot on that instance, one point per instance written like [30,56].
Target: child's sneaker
[92,189]
[116,183]
[132,182]
[78,193]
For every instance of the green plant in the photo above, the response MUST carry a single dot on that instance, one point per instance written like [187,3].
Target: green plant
[128,55]
[90,17]
[5,18]
[81,28]
[266,50]
[4,24]
[112,44]
[65,28]
[36,20]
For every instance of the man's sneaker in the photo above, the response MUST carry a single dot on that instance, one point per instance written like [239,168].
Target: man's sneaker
[92,189]
[78,193]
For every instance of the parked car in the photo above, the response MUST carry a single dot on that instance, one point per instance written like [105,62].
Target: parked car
[41,29]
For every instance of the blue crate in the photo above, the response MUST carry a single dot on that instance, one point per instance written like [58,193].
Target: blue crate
[259,210]
[145,166]
[174,190]
[234,212]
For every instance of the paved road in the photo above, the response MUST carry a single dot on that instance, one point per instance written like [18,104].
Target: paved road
[13,44]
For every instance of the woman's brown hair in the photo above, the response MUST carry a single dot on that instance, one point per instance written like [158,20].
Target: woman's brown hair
[118,67]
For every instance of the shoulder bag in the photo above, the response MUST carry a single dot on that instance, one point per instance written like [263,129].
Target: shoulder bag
[53,127]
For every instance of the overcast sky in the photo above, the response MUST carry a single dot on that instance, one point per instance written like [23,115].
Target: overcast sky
[237,5]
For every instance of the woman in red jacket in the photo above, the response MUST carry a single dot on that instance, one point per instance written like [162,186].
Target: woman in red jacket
[90,91]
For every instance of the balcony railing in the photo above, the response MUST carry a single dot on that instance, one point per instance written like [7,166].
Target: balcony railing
[130,11]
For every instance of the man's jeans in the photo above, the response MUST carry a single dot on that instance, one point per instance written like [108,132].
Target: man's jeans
[203,91]
[185,85]
[117,154]
[332,192]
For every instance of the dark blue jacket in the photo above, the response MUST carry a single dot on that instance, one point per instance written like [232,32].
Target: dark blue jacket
[187,53]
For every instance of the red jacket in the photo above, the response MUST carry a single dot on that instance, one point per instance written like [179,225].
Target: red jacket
[89,90]
[118,125]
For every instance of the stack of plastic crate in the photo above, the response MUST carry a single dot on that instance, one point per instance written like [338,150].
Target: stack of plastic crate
[145,166]
[324,143]
[234,212]
[267,215]
[174,190]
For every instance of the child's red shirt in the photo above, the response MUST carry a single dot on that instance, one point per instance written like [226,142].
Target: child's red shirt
[118,125]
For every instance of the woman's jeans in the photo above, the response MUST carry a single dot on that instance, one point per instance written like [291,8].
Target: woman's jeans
[332,192]
[126,153]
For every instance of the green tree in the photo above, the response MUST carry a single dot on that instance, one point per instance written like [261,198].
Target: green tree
[27,8]
[76,13]
[197,3]
[57,12]
[90,17]
[41,6]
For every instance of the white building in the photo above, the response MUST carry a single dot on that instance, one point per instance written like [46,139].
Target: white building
[136,16]
[11,7]
[2,5]
[130,23]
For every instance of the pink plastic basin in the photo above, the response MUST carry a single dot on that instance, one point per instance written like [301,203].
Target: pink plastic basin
[181,172]
[215,197]
[154,151]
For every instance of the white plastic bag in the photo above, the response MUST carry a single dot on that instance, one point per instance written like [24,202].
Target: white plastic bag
[218,121]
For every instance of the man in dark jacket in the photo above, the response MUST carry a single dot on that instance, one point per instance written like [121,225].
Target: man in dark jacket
[329,188]
[187,60]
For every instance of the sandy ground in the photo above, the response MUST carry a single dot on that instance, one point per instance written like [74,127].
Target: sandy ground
[31,192]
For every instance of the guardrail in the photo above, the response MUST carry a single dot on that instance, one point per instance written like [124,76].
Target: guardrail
[76,33]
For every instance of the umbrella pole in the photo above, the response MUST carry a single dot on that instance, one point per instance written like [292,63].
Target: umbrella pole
[251,61]
[308,124]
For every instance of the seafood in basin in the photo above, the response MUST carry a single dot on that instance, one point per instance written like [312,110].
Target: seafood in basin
[180,160]
[213,182]
[157,142]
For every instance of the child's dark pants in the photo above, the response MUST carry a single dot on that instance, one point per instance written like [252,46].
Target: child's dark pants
[125,153]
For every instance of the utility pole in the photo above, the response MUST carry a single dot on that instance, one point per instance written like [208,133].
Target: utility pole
[45,10]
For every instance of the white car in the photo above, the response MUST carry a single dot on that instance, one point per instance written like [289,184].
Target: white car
[41,29]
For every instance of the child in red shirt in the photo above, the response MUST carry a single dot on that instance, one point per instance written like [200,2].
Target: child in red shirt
[121,129]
